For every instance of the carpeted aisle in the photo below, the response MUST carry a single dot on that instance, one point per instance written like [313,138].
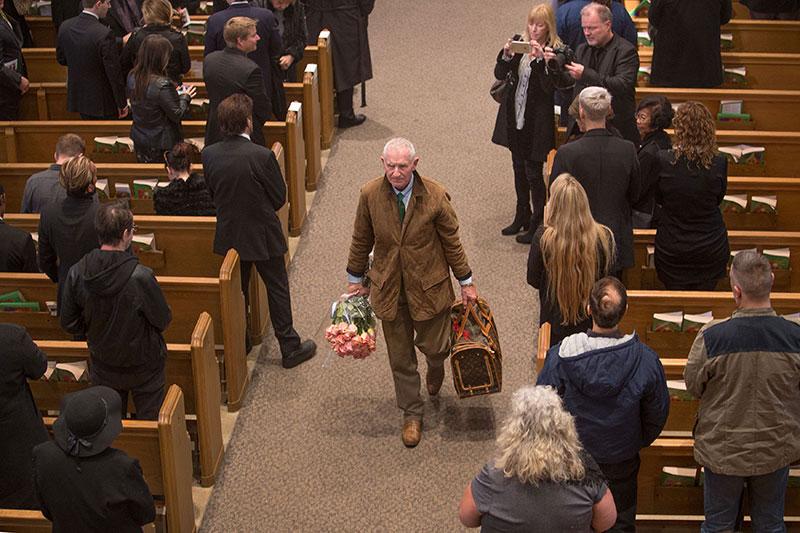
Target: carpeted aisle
[318,448]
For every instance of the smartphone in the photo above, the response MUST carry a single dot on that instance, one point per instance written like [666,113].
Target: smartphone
[520,47]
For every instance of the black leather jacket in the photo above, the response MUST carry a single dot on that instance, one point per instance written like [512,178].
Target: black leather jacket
[157,116]
[117,303]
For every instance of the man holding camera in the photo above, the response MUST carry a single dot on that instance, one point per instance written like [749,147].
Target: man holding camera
[605,60]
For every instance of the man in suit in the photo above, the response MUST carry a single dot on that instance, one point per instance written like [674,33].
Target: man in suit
[17,251]
[266,54]
[95,86]
[409,222]
[606,60]
[607,168]
[248,189]
[230,71]
[13,80]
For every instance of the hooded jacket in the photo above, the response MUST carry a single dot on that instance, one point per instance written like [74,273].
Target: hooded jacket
[117,303]
[614,387]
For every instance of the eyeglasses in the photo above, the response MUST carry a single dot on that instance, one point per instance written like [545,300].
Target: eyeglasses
[642,117]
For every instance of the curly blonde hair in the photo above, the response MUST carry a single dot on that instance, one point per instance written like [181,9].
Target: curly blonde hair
[695,134]
[569,247]
[538,441]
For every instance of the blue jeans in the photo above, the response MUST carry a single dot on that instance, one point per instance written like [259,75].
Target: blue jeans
[722,497]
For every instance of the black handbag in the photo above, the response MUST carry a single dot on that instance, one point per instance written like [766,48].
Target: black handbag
[499,88]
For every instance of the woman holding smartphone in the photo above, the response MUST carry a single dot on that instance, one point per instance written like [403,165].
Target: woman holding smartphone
[525,120]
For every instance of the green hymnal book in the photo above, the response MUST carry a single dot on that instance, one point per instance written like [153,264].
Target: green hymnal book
[744,154]
[641,9]
[71,372]
[778,258]
[122,190]
[49,374]
[42,8]
[668,321]
[52,307]
[13,296]
[144,188]
[113,144]
[726,41]
[19,306]
[735,75]
[733,203]
[101,186]
[199,142]
[693,322]
[677,390]
[764,204]
[145,242]
[195,33]
[643,38]
[733,117]
[730,107]
[644,73]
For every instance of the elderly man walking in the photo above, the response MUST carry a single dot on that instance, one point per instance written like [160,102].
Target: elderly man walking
[409,221]
[746,371]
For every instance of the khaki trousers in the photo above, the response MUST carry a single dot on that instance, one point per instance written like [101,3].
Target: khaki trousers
[432,338]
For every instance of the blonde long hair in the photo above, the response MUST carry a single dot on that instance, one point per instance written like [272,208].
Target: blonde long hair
[543,13]
[538,441]
[569,247]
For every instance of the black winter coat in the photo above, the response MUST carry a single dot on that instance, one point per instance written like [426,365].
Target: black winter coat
[608,169]
[347,20]
[179,61]
[21,426]
[11,40]
[102,493]
[686,42]
[538,135]
[117,303]
[17,251]
[157,117]
[294,36]
[650,167]
[248,190]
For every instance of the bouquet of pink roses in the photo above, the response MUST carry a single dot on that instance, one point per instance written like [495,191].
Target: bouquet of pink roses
[352,329]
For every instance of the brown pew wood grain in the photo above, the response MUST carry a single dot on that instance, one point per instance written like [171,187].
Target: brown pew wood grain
[193,367]
[321,56]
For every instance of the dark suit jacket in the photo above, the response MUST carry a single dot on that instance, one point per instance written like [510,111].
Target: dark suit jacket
[65,9]
[106,492]
[267,52]
[617,73]
[608,169]
[248,189]
[94,78]
[10,50]
[228,72]
[17,252]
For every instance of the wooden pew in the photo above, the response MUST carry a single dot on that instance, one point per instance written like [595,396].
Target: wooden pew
[321,56]
[193,367]
[754,35]
[34,141]
[764,70]
[769,110]
[220,296]
[164,453]
[640,276]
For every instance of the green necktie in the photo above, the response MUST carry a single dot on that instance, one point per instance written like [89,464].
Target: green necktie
[401,206]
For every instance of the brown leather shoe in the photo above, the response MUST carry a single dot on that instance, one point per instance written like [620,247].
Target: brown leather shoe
[412,432]
[434,380]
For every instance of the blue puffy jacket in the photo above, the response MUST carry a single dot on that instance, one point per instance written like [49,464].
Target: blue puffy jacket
[614,387]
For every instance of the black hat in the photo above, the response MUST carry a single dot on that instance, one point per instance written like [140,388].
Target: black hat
[90,421]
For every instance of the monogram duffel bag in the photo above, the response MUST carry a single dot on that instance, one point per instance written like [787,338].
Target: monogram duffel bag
[475,354]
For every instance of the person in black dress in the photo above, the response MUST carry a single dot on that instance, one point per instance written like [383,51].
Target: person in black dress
[653,115]
[21,426]
[691,249]
[525,120]
[569,253]
[156,106]
[187,193]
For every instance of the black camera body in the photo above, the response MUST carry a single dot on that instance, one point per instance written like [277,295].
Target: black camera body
[564,54]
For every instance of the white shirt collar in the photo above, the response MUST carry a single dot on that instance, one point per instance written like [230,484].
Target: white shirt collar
[246,136]
[95,15]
